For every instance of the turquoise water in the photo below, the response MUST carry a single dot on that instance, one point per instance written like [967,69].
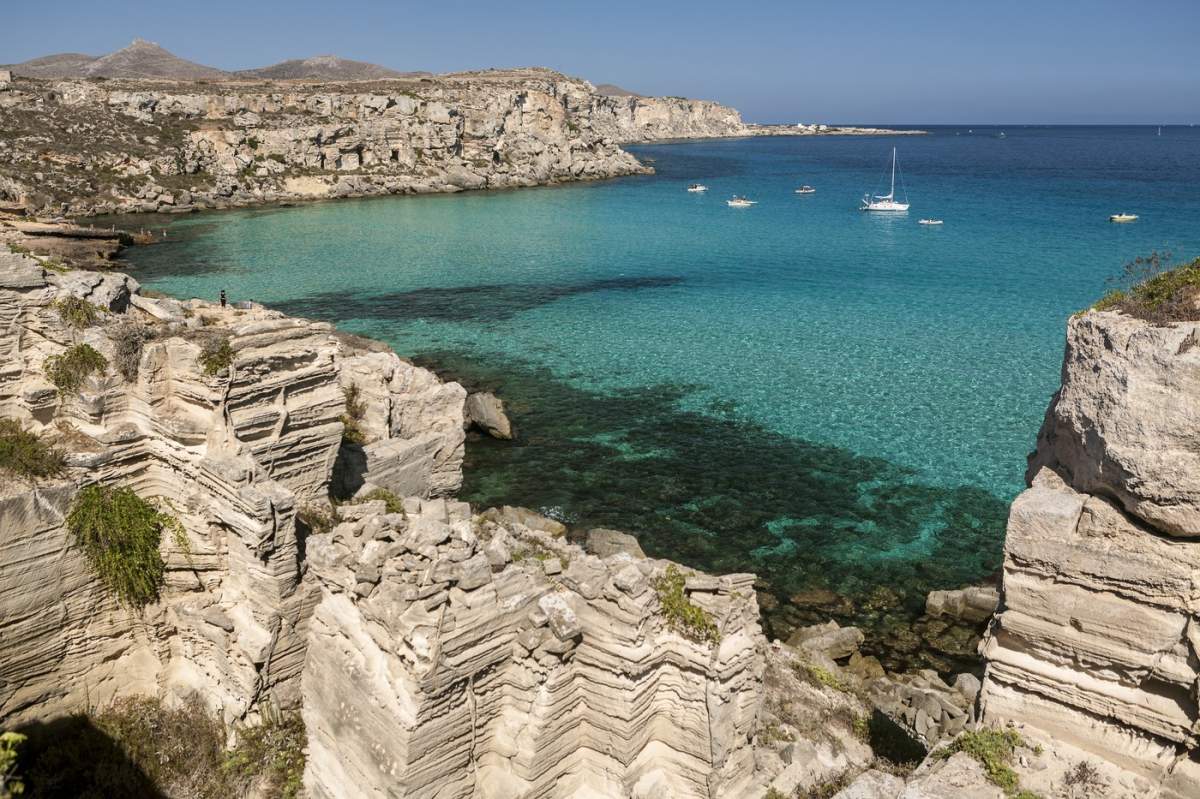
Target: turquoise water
[832,399]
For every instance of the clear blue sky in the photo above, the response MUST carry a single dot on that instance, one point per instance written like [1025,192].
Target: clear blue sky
[1063,61]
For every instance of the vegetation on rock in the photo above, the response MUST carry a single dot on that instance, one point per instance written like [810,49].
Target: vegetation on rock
[994,749]
[140,747]
[272,751]
[352,431]
[215,354]
[68,370]
[682,615]
[1156,291]
[24,453]
[120,533]
[317,518]
[128,339]
[10,781]
[76,312]
[392,503]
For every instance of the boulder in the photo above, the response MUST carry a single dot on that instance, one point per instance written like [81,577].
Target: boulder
[972,604]
[604,543]
[485,411]
[829,639]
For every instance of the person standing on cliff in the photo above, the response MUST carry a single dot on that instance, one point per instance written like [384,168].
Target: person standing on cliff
[222,298]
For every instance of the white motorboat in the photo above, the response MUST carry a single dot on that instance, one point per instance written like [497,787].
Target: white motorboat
[697,187]
[929,221]
[1123,218]
[738,201]
[887,202]
[806,189]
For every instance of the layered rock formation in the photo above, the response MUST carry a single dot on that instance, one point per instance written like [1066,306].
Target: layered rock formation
[236,453]
[1098,637]
[453,655]
[144,147]
[130,146]
[434,652]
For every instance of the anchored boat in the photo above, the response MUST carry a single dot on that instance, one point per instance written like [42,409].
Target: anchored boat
[806,189]
[697,187]
[738,201]
[929,221]
[1123,218]
[887,202]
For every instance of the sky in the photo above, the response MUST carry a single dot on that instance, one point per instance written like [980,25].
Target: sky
[906,61]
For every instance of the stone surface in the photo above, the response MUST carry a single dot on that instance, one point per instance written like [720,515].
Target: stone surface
[485,410]
[235,455]
[174,147]
[971,604]
[605,543]
[1096,640]
[503,682]
[829,639]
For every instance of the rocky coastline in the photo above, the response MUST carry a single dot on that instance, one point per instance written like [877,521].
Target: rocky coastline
[320,562]
[76,148]
[482,610]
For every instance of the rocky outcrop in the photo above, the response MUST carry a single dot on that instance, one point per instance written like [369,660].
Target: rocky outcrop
[486,411]
[452,655]
[235,451]
[139,146]
[433,651]
[153,147]
[1097,636]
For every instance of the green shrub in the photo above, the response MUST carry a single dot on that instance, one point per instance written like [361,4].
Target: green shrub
[25,454]
[390,500]
[128,338]
[216,354]
[682,615]
[140,747]
[994,749]
[119,533]
[352,431]
[317,519]
[68,371]
[10,781]
[274,750]
[1156,291]
[812,673]
[76,312]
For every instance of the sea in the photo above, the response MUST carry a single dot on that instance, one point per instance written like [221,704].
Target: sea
[840,402]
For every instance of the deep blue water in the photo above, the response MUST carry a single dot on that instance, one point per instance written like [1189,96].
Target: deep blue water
[830,398]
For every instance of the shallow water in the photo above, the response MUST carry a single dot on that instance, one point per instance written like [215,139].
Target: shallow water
[829,398]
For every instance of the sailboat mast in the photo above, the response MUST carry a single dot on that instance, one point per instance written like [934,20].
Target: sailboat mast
[893,194]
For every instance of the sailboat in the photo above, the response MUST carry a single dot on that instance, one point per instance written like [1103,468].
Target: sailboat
[886,202]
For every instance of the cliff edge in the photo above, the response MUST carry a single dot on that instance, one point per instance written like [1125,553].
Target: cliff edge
[1097,640]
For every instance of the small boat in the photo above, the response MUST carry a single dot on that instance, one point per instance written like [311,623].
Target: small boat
[929,221]
[738,201]
[1001,136]
[1123,218]
[697,187]
[887,202]
[806,189]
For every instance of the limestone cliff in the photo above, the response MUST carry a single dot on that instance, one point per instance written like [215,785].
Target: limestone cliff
[238,452]
[433,651]
[1098,636]
[452,655]
[80,147]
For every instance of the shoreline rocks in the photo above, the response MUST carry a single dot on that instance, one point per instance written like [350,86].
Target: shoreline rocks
[130,146]
[1095,640]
